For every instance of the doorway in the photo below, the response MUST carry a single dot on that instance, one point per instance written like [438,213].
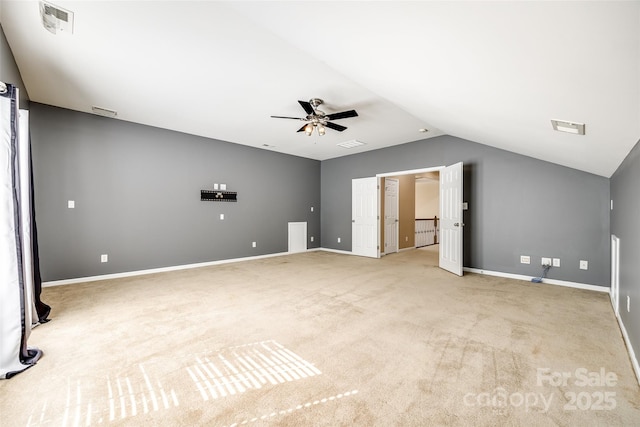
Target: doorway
[450,219]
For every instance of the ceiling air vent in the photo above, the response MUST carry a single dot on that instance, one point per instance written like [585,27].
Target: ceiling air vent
[569,127]
[104,111]
[350,144]
[56,19]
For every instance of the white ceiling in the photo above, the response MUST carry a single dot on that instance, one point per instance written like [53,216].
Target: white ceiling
[491,72]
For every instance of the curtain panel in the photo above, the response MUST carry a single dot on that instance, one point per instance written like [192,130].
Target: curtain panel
[19,292]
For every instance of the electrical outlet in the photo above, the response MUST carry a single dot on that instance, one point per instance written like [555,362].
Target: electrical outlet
[312,238]
[71,204]
[221,216]
[584,265]
[406,238]
[628,304]
[556,262]
[253,244]
[339,240]
[546,261]
[525,259]
[104,258]
[311,208]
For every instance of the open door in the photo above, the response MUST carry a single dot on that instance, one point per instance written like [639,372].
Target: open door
[390,215]
[364,217]
[451,219]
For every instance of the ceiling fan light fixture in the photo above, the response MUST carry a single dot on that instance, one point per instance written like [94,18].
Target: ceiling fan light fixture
[308,129]
[319,119]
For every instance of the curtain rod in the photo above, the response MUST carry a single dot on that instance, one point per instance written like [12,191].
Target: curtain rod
[3,87]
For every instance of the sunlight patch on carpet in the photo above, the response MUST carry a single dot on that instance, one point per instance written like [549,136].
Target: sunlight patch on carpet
[160,385]
[250,366]
[90,401]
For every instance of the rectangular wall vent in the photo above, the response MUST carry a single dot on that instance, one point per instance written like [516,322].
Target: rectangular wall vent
[104,111]
[569,127]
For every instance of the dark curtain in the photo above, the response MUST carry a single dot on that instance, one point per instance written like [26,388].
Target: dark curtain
[42,309]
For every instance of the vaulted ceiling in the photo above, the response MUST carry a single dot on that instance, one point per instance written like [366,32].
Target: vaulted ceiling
[492,72]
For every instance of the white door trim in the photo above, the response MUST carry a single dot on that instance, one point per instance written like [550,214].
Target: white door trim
[410,172]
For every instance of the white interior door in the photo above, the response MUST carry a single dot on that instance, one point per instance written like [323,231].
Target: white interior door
[364,217]
[390,215]
[451,219]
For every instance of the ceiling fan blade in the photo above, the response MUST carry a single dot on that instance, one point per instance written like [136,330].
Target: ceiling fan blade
[302,128]
[307,107]
[342,115]
[284,117]
[335,126]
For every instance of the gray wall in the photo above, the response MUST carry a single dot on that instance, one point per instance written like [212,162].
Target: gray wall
[517,206]
[625,192]
[137,195]
[9,72]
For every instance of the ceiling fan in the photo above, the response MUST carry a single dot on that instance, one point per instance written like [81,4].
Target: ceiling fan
[317,119]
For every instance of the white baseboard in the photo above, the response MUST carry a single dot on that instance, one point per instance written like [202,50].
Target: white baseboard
[336,251]
[627,342]
[158,270]
[175,268]
[547,281]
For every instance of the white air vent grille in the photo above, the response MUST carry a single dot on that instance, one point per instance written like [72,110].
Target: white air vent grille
[569,127]
[350,144]
[104,111]
[56,19]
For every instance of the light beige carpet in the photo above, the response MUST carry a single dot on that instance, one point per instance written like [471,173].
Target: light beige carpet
[323,339]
